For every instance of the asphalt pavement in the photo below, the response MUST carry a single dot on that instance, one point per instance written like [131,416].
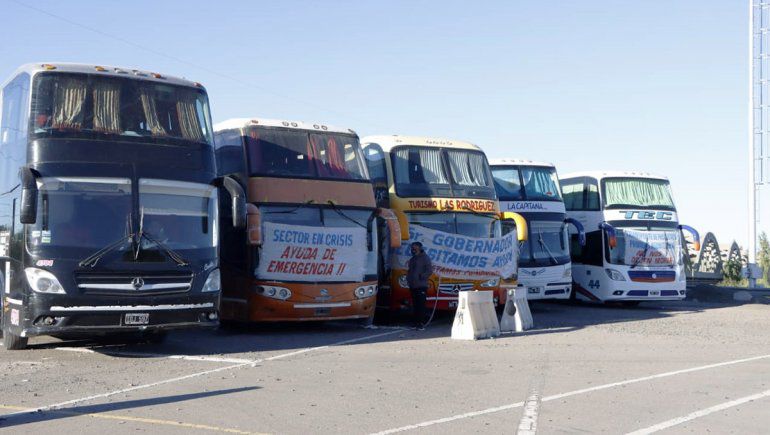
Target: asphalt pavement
[698,365]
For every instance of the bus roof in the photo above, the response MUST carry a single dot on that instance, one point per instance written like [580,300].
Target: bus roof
[613,174]
[518,162]
[389,142]
[239,123]
[63,67]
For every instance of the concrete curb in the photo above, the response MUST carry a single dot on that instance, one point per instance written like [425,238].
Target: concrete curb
[728,295]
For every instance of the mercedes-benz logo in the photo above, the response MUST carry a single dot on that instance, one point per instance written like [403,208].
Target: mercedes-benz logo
[654,276]
[456,288]
[137,283]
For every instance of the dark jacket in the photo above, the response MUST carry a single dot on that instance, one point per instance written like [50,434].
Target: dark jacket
[420,269]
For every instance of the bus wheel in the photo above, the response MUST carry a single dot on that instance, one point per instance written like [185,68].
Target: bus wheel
[367,321]
[13,342]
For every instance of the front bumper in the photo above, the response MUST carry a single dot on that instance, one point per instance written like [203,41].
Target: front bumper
[67,316]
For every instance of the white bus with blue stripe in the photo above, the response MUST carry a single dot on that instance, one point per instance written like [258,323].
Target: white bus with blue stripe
[634,249]
[531,189]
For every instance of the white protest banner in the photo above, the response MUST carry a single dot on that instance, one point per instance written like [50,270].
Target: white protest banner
[316,254]
[462,257]
[651,248]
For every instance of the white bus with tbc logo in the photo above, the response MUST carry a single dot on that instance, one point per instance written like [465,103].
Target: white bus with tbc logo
[633,249]
[531,189]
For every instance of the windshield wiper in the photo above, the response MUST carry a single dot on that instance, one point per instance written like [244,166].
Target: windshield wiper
[94,258]
[304,204]
[339,212]
[545,249]
[178,259]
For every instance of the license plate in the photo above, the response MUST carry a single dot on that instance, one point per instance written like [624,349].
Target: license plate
[136,319]
[535,290]
[452,304]
[654,293]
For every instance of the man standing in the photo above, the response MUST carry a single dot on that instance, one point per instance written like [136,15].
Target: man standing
[420,270]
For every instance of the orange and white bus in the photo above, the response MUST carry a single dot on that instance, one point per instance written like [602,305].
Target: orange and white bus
[439,184]
[310,248]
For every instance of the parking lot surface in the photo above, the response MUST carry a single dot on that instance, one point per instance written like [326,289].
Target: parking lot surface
[675,367]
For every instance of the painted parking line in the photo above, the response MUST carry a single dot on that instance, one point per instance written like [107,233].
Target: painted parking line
[151,421]
[570,393]
[698,414]
[251,363]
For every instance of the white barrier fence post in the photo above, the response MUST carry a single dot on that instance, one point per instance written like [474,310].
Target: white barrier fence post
[475,317]
[516,315]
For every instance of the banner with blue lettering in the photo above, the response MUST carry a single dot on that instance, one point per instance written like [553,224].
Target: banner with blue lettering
[651,248]
[315,254]
[462,257]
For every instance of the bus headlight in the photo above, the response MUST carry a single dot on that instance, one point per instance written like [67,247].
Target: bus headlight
[491,283]
[271,291]
[213,282]
[567,273]
[43,281]
[614,275]
[365,291]
[402,281]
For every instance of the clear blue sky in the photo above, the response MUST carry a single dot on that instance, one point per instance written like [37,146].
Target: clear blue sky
[654,85]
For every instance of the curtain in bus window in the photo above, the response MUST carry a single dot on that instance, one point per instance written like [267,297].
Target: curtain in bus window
[69,99]
[638,192]
[432,170]
[402,168]
[188,118]
[150,109]
[540,183]
[468,169]
[573,196]
[106,97]
[328,156]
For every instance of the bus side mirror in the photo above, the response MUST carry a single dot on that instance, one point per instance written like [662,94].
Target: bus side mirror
[695,235]
[403,224]
[28,208]
[239,201]
[581,231]
[253,225]
[394,226]
[522,233]
[610,230]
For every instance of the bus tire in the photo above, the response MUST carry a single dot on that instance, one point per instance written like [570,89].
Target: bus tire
[13,342]
[10,341]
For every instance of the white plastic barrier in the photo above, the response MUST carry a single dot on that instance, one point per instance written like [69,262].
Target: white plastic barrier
[516,315]
[475,316]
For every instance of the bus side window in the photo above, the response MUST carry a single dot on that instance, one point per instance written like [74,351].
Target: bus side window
[573,194]
[229,150]
[591,195]
[375,161]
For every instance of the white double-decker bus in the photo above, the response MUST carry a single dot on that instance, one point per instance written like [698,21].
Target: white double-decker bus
[633,249]
[531,189]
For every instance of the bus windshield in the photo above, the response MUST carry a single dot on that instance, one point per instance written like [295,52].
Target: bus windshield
[467,224]
[324,217]
[426,171]
[178,214]
[297,153]
[82,214]
[645,248]
[637,192]
[94,107]
[534,183]
[540,183]
[547,244]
